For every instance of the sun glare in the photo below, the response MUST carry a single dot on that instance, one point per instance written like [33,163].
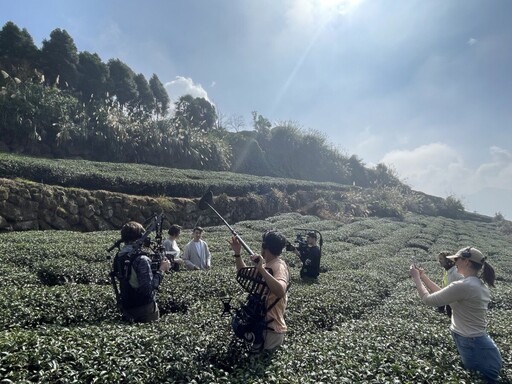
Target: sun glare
[342,7]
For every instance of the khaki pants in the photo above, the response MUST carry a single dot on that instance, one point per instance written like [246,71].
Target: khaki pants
[273,340]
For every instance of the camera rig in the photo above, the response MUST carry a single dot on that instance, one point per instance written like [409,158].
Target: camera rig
[248,320]
[301,241]
[153,249]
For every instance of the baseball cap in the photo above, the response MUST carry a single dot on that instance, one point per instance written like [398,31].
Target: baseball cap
[470,253]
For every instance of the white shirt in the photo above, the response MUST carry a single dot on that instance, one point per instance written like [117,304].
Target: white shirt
[469,299]
[172,247]
[196,255]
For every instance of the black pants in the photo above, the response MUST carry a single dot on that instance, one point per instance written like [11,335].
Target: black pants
[445,309]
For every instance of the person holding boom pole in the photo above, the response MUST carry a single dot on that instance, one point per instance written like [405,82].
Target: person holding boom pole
[274,272]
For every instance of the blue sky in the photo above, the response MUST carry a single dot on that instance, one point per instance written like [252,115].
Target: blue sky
[423,86]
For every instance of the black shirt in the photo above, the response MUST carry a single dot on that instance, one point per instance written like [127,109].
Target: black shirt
[310,257]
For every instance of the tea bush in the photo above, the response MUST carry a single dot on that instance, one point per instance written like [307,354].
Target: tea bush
[147,180]
[362,322]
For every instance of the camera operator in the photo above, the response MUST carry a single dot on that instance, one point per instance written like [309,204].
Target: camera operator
[138,292]
[309,254]
[277,281]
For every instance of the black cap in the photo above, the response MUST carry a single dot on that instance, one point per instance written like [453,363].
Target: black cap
[312,234]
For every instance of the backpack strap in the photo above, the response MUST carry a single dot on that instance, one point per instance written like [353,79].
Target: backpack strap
[276,300]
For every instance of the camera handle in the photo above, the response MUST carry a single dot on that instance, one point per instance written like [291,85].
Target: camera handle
[117,245]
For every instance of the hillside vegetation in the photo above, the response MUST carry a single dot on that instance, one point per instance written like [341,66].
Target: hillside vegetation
[57,102]
[61,194]
[363,322]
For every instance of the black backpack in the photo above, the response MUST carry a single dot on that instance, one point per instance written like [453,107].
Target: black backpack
[120,275]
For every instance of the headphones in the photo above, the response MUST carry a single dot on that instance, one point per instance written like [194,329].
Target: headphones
[466,253]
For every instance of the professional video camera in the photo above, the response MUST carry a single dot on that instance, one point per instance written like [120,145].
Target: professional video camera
[301,239]
[153,249]
[301,242]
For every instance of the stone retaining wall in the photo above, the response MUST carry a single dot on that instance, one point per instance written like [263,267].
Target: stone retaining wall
[32,206]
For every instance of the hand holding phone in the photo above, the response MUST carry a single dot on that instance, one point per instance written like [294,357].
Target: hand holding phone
[413,261]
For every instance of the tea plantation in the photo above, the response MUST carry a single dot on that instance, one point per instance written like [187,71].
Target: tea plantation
[363,321]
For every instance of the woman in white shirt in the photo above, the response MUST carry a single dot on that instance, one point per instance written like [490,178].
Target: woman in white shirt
[172,250]
[469,299]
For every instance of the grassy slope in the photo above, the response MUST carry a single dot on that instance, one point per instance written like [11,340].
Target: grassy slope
[148,180]
[362,323]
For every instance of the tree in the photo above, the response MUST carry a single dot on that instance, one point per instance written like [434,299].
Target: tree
[162,100]
[146,100]
[59,60]
[283,149]
[261,124]
[233,122]
[247,155]
[37,114]
[195,112]
[384,175]
[18,53]
[92,76]
[122,82]
[358,172]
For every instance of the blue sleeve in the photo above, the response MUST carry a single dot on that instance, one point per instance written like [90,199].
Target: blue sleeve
[147,281]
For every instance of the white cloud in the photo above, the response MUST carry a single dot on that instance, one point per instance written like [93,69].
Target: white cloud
[184,86]
[472,41]
[498,172]
[435,168]
[367,143]
[441,170]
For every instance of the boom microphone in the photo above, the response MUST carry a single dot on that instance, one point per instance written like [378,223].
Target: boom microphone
[206,202]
